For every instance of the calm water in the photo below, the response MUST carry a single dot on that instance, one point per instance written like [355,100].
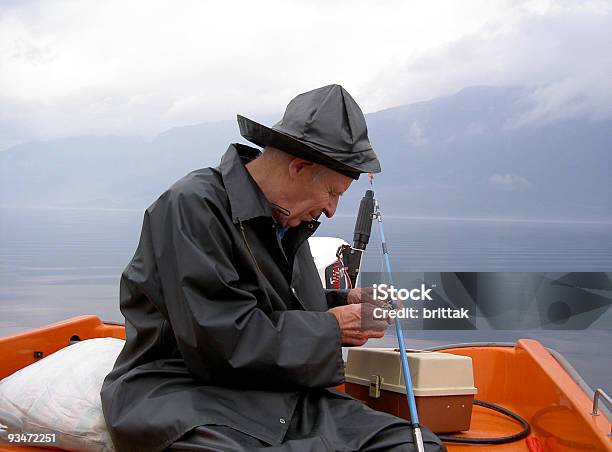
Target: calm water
[55,264]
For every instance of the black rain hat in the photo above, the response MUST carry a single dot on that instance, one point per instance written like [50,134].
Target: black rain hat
[325,126]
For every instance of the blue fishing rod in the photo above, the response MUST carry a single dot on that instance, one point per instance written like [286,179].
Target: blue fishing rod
[414,416]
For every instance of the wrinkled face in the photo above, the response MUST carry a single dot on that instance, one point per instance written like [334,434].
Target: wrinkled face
[314,190]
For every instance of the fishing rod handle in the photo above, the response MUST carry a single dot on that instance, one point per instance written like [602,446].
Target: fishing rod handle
[363,225]
[418,439]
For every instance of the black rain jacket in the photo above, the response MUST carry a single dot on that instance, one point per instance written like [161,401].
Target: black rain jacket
[225,323]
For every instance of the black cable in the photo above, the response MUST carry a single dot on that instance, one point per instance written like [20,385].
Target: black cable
[498,440]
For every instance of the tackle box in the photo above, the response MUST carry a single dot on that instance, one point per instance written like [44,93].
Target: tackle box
[443,385]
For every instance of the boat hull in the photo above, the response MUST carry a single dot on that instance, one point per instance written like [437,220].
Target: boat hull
[524,378]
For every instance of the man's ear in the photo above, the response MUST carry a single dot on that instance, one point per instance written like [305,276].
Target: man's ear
[297,166]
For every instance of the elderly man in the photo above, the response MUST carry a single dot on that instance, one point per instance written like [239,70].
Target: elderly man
[232,342]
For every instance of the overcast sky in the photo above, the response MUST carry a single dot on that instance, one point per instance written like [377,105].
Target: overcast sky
[141,67]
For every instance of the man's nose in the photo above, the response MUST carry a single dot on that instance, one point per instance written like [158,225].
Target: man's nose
[330,210]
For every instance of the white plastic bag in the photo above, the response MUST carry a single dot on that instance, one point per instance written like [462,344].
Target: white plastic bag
[60,395]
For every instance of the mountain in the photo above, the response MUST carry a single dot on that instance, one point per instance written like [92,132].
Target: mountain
[477,153]
[471,154]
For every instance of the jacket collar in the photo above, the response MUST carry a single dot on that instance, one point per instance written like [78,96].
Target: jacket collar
[245,197]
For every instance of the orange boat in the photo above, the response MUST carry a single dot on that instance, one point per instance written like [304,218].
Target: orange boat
[526,378]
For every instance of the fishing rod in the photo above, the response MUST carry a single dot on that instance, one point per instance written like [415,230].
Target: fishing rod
[414,416]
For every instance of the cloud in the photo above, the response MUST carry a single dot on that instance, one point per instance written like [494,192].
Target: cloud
[415,134]
[115,67]
[588,94]
[509,182]
[562,50]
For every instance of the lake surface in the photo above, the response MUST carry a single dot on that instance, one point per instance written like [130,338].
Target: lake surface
[59,263]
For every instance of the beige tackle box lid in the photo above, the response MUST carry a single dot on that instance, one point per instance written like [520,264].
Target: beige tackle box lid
[433,374]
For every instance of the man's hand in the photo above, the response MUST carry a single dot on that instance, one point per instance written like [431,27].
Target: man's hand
[357,323]
[364,295]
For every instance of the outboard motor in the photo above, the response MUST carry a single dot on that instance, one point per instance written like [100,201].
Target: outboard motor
[351,256]
[338,263]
